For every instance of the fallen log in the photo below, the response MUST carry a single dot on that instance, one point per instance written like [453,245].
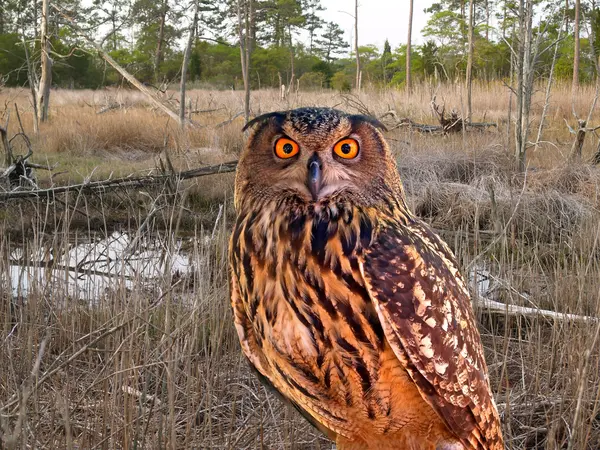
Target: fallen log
[482,124]
[516,310]
[123,182]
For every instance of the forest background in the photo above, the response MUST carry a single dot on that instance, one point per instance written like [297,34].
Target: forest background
[289,40]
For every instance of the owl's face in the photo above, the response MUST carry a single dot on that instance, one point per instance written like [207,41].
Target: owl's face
[315,153]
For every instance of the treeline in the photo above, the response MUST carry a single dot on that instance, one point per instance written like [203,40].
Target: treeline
[290,41]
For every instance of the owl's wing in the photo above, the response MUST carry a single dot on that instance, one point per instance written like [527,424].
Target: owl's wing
[424,307]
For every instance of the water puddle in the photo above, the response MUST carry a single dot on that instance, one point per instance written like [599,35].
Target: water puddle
[90,270]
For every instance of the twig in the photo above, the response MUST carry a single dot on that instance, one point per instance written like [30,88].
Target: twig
[92,186]
[15,398]
[227,122]
[109,108]
[28,389]
[8,157]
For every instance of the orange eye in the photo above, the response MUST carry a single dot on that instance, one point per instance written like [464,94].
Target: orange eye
[346,148]
[286,148]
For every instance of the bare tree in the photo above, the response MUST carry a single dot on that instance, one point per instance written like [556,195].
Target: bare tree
[43,93]
[158,56]
[245,13]
[469,80]
[408,48]
[487,19]
[356,45]
[525,62]
[184,65]
[577,48]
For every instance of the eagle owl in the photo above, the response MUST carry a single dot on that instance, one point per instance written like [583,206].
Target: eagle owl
[344,301]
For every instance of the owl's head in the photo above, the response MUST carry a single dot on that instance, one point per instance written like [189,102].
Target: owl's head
[314,154]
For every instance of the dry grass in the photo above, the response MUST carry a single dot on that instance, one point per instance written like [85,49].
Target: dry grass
[157,365]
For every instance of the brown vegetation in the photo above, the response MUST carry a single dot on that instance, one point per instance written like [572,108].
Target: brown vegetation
[157,365]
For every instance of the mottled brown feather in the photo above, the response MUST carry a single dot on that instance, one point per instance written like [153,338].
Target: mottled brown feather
[348,306]
[425,307]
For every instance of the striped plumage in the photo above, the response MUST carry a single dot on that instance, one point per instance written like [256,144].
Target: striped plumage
[348,305]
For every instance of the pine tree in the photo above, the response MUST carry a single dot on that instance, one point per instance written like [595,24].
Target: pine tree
[312,22]
[331,42]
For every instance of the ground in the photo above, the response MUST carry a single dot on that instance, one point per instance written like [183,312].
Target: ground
[157,364]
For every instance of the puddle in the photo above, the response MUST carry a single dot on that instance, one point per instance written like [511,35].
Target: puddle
[89,270]
[479,278]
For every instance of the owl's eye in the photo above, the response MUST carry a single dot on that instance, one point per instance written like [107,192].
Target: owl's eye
[346,148]
[286,148]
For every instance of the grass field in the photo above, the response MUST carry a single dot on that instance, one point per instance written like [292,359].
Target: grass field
[155,363]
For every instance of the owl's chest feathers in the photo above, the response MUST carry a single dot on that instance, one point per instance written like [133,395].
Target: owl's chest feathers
[304,258]
[303,291]
[311,316]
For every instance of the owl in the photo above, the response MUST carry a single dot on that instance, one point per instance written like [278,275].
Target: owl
[344,302]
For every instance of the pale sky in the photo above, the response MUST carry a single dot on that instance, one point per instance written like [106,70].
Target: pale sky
[378,20]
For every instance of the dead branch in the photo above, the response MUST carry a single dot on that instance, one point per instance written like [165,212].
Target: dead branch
[202,111]
[482,125]
[452,124]
[516,310]
[421,127]
[483,299]
[19,170]
[124,182]
[448,124]
[577,147]
[153,99]
[227,122]
[110,108]
[353,102]
[8,156]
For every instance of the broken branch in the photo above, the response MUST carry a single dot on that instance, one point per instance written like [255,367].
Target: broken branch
[121,182]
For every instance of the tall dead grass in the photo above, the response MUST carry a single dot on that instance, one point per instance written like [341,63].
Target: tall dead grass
[158,365]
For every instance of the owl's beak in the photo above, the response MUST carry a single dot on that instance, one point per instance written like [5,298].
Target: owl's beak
[315,177]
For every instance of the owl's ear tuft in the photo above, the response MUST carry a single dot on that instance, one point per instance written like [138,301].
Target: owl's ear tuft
[356,119]
[278,115]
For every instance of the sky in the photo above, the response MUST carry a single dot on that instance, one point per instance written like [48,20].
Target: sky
[378,20]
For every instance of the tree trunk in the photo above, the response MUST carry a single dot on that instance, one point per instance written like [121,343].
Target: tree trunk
[33,84]
[356,45]
[525,68]
[577,49]
[114,29]
[577,147]
[292,64]
[520,82]
[184,66]
[469,80]
[43,94]
[487,20]
[35,20]
[408,48]
[463,16]
[245,13]
[158,57]
[250,42]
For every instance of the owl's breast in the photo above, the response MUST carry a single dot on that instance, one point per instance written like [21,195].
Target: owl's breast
[316,331]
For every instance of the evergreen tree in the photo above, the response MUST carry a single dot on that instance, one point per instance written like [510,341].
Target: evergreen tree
[331,42]
[312,22]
